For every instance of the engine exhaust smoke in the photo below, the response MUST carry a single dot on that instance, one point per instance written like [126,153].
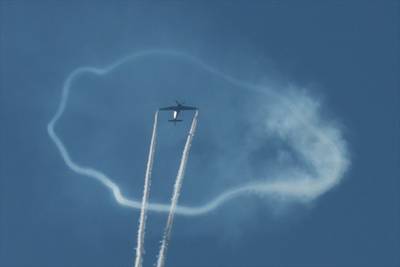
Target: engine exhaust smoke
[176,193]
[145,199]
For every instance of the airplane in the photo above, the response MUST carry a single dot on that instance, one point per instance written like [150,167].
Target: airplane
[176,110]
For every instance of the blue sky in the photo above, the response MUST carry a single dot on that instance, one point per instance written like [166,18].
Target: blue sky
[335,63]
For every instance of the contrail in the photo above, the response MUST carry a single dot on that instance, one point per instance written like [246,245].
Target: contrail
[145,199]
[176,193]
[327,154]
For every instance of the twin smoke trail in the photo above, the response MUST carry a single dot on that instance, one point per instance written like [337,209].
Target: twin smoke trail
[174,199]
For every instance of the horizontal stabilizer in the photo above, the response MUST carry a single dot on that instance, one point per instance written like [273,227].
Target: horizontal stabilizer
[174,120]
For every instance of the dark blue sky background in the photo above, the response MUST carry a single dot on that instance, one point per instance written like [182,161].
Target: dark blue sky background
[345,52]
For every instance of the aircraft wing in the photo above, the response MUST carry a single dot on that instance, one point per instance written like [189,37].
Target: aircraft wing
[188,108]
[168,108]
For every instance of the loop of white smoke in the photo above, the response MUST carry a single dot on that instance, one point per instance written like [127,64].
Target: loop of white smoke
[320,145]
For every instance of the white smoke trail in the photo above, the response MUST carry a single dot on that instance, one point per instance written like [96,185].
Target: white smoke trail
[175,196]
[327,153]
[145,199]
